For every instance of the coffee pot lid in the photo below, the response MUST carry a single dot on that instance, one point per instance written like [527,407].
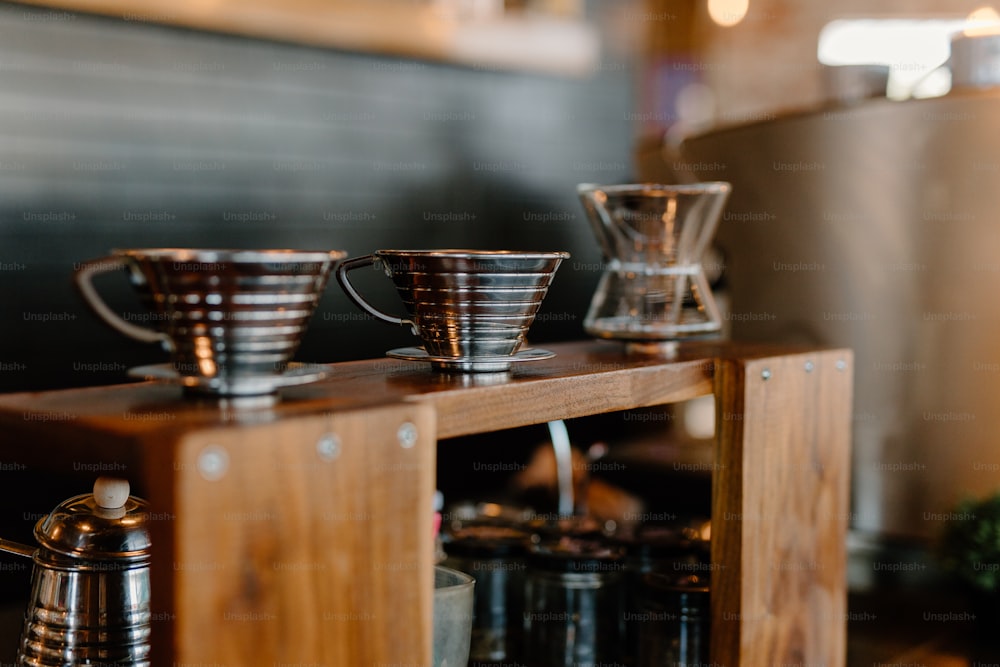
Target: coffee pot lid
[104,525]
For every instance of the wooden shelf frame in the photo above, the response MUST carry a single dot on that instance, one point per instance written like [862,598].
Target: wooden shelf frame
[301,532]
[549,43]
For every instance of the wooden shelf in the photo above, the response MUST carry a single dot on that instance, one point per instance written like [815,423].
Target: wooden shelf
[545,43]
[583,378]
[328,547]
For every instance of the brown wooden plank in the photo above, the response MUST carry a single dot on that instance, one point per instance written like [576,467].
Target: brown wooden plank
[289,553]
[584,378]
[727,502]
[468,412]
[780,505]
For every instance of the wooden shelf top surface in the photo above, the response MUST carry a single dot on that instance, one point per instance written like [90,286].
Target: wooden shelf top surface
[585,377]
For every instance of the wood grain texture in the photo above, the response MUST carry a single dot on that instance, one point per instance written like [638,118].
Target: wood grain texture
[585,377]
[780,510]
[288,556]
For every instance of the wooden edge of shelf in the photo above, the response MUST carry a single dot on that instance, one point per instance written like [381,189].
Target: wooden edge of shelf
[585,377]
[555,45]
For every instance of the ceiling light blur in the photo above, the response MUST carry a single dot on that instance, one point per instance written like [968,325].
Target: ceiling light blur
[984,20]
[913,49]
[728,12]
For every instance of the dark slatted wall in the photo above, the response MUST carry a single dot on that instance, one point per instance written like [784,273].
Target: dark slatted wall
[123,134]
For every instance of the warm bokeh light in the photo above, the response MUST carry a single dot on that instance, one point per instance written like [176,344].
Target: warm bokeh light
[913,49]
[984,14]
[984,20]
[728,12]
[695,104]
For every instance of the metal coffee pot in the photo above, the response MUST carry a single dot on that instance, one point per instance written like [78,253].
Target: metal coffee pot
[89,601]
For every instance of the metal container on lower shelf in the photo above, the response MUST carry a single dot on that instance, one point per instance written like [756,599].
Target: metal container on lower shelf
[90,590]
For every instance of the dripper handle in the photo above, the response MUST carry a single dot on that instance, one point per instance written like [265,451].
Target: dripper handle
[17,548]
[84,276]
[355,296]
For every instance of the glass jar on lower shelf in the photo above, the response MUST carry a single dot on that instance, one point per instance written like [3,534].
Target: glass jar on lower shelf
[672,621]
[574,604]
[494,557]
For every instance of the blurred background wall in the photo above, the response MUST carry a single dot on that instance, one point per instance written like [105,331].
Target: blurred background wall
[122,133]
[757,58]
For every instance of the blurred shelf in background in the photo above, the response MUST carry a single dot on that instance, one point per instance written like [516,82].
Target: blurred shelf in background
[548,36]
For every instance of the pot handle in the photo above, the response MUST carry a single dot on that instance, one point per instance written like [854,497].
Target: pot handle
[84,281]
[355,296]
[17,548]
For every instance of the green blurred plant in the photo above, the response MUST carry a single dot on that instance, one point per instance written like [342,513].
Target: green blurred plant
[969,547]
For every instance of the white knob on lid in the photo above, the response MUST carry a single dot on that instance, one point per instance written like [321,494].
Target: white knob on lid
[111,492]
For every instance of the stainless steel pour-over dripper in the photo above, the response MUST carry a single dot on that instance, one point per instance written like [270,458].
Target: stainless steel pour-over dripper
[90,586]
[471,308]
[232,319]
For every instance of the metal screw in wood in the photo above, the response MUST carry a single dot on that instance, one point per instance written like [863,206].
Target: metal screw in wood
[328,446]
[407,435]
[213,462]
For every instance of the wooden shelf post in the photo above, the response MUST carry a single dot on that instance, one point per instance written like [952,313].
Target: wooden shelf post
[307,540]
[779,510]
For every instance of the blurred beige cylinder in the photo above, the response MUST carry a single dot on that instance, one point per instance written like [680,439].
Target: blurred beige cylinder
[876,227]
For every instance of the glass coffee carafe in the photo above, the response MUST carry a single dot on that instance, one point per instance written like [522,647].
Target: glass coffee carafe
[653,237]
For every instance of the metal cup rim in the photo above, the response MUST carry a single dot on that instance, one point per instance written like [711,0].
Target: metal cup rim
[474,254]
[234,255]
[458,276]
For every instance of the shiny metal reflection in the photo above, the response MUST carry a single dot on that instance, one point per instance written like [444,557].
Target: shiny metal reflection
[466,304]
[90,587]
[227,314]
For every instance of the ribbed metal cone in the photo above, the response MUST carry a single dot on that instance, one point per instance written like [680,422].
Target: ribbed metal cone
[233,313]
[471,303]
